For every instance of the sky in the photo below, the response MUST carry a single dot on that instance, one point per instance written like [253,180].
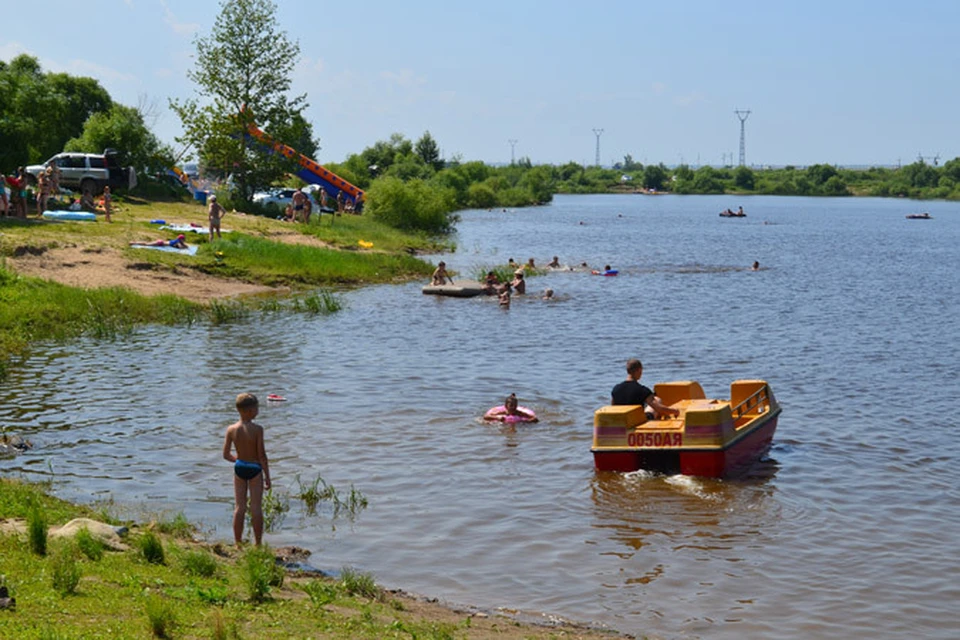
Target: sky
[847,82]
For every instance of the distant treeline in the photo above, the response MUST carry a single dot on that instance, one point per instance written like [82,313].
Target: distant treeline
[917,180]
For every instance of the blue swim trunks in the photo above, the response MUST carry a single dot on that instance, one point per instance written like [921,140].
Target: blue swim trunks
[247,470]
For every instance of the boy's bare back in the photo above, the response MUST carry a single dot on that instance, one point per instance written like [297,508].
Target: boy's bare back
[247,438]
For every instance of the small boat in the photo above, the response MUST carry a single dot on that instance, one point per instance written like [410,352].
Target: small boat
[919,216]
[273,397]
[710,438]
[732,214]
[606,272]
[459,289]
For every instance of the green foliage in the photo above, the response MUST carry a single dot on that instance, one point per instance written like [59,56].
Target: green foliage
[123,128]
[428,151]
[654,177]
[743,178]
[361,584]
[260,572]
[64,570]
[321,592]
[199,563]
[230,68]
[275,508]
[161,616]
[412,206]
[40,111]
[37,530]
[151,548]
[179,527]
[89,546]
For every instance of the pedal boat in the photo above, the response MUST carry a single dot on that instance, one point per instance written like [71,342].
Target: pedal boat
[710,438]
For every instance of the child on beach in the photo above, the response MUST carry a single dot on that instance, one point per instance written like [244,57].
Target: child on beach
[214,214]
[107,204]
[250,468]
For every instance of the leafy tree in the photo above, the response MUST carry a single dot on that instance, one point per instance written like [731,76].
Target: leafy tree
[920,174]
[243,71]
[40,111]
[743,178]
[412,206]
[820,173]
[630,165]
[706,180]
[654,176]
[539,183]
[123,129]
[428,151]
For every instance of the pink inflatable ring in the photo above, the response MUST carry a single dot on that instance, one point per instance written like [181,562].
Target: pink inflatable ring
[499,414]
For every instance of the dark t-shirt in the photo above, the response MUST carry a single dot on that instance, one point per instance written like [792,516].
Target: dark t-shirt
[630,392]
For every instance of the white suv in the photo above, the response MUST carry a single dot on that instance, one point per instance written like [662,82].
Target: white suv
[89,172]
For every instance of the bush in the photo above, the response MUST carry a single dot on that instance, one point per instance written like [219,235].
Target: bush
[412,206]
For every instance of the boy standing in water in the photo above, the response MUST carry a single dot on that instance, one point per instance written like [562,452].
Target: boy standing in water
[250,469]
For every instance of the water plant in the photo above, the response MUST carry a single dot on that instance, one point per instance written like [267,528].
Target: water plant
[275,507]
[178,527]
[322,302]
[226,312]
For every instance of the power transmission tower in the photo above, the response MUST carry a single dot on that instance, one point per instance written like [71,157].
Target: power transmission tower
[743,114]
[513,145]
[598,133]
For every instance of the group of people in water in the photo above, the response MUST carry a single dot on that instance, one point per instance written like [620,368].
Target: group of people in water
[492,284]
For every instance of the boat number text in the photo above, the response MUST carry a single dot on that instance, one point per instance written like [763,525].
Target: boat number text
[655,440]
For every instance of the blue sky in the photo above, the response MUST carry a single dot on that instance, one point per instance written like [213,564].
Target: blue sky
[844,82]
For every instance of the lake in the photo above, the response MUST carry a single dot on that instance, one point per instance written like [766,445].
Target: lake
[847,530]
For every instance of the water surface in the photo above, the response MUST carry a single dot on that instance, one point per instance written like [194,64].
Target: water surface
[846,531]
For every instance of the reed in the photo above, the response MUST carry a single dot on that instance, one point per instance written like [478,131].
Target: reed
[356,583]
[275,507]
[151,548]
[37,530]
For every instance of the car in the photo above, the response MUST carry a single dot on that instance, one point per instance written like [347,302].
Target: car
[88,172]
[279,197]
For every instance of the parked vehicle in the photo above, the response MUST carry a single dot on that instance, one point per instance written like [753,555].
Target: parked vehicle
[88,172]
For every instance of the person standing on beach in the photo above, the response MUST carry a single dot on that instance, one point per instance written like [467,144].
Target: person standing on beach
[251,472]
[214,213]
[107,204]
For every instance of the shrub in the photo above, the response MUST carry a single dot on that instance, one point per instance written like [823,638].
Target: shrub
[64,570]
[412,206]
[199,563]
[151,548]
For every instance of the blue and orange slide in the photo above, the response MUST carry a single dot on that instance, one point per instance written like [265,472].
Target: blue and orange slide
[310,170]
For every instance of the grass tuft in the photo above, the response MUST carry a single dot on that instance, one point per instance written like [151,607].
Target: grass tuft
[64,570]
[151,548]
[89,545]
[260,572]
[356,583]
[199,563]
[161,615]
[37,530]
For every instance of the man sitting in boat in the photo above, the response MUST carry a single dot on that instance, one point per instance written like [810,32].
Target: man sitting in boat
[440,275]
[630,391]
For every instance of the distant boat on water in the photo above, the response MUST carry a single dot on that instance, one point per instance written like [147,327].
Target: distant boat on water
[919,216]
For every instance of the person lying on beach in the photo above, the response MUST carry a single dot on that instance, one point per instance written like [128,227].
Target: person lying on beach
[180,242]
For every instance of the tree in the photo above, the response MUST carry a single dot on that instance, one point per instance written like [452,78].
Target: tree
[40,111]
[744,179]
[243,71]
[428,151]
[654,176]
[122,128]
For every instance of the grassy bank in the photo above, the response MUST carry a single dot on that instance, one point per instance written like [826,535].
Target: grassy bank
[165,585]
[348,250]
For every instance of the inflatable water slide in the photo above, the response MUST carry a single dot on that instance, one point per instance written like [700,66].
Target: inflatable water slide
[310,170]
